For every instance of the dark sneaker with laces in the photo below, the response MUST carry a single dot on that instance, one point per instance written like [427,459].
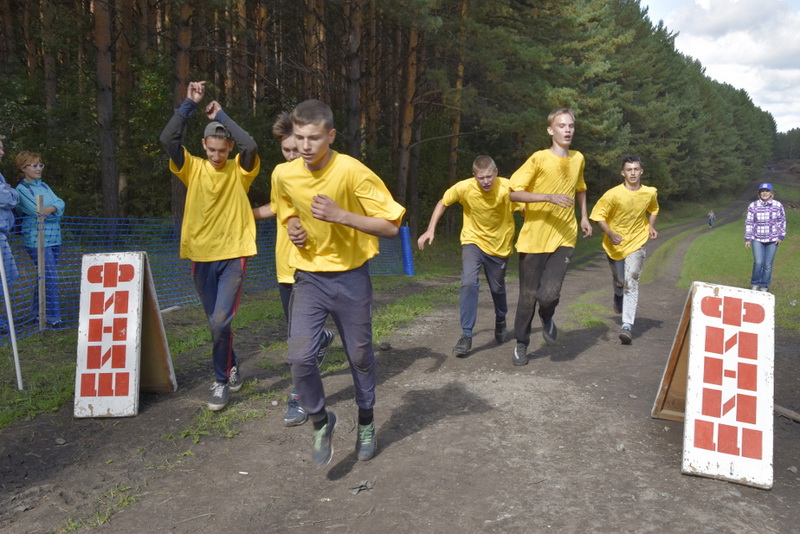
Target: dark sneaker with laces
[322,442]
[500,331]
[366,442]
[235,380]
[625,335]
[463,346]
[617,303]
[219,396]
[549,331]
[520,354]
[327,339]
[295,414]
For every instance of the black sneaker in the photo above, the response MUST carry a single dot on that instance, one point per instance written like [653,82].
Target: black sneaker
[463,346]
[549,330]
[366,442]
[322,442]
[617,303]
[235,380]
[219,396]
[327,339]
[625,335]
[520,354]
[500,331]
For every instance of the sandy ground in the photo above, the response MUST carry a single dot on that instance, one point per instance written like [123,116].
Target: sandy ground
[564,444]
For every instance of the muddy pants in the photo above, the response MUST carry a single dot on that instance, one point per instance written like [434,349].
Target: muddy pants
[472,259]
[540,279]
[347,298]
[219,284]
[626,273]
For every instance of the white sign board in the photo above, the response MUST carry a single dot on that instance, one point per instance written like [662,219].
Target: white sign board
[728,428]
[118,306]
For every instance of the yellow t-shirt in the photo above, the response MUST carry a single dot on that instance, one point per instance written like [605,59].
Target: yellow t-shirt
[488,215]
[218,221]
[283,246]
[625,212]
[332,247]
[548,226]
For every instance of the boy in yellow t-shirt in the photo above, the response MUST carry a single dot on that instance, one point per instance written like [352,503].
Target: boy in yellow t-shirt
[486,234]
[218,232]
[627,215]
[549,182]
[282,129]
[334,209]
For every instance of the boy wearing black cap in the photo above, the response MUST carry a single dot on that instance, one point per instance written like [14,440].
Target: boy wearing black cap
[218,232]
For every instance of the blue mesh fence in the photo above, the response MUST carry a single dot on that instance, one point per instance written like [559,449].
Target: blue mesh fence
[160,238]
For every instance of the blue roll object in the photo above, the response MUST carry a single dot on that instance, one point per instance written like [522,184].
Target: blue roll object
[405,246]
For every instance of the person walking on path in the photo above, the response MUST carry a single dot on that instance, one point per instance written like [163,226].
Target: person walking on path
[712,218]
[30,169]
[627,215]
[549,183]
[334,209]
[764,230]
[486,235]
[218,232]
[282,130]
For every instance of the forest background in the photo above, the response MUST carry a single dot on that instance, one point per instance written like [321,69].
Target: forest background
[418,87]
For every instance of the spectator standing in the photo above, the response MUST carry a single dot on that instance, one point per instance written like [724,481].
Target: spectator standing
[30,169]
[764,230]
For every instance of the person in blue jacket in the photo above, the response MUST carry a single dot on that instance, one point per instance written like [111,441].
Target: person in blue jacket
[30,167]
[8,201]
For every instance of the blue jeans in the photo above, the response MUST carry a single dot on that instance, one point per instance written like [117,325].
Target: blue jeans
[52,298]
[763,256]
[472,258]
[219,284]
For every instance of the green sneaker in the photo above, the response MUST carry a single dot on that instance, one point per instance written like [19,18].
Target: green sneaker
[366,442]
[322,442]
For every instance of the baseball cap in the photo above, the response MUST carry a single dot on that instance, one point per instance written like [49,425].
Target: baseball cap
[765,185]
[216,129]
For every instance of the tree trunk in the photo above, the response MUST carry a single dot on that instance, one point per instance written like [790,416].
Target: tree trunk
[407,117]
[108,162]
[179,92]
[354,14]
[123,88]
[455,121]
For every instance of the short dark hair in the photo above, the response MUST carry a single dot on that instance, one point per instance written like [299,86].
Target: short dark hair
[313,111]
[282,127]
[631,159]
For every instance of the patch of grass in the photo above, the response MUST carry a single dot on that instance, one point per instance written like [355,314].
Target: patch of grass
[657,263]
[221,424]
[587,314]
[116,499]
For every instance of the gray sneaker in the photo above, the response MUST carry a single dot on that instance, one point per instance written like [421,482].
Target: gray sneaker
[295,414]
[327,339]
[366,443]
[549,330]
[520,354]
[219,396]
[322,442]
[235,380]
[463,346]
[625,335]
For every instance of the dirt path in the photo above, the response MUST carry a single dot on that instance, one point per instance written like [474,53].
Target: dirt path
[564,444]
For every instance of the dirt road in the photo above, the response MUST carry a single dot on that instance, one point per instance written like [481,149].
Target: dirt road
[564,444]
